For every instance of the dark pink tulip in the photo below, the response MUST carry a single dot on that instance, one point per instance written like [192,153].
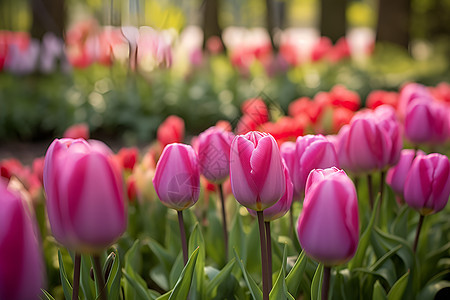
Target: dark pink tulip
[283,205]
[256,170]
[328,227]
[410,93]
[427,185]
[287,151]
[420,122]
[177,177]
[21,264]
[387,119]
[312,152]
[396,175]
[214,153]
[85,194]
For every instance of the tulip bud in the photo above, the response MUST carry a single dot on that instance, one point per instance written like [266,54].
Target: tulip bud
[214,154]
[85,194]
[328,227]
[312,152]
[256,170]
[77,131]
[396,175]
[127,157]
[427,185]
[283,205]
[177,177]
[171,131]
[21,264]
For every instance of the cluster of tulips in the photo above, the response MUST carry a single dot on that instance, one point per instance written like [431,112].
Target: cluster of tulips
[86,194]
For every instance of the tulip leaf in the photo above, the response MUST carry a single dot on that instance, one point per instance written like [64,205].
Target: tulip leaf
[384,258]
[141,292]
[176,270]
[390,241]
[378,292]
[67,288]
[251,284]
[279,290]
[316,286]
[196,241]
[398,288]
[430,291]
[47,295]
[86,283]
[237,237]
[219,278]
[165,258]
[364,241]
[135,285]
[182,287]
[294,277]
[114,277]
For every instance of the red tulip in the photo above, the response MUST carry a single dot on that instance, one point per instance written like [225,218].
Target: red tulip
[77,131]
[171,131]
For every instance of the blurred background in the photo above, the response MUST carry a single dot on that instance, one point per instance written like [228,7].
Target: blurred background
[122,67]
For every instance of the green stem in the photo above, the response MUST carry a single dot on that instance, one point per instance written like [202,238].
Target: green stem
[224,220]
[326,282]
[183,236]
[264,261]
[269,251]
[370,189]
[419,227]
[102,291]
[382,181]
[76,275]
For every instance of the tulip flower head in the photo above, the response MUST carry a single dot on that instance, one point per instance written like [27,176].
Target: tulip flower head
[427,185]
[214,153]
[85,194]
[21,265]
[177,177]
[328,227]
[256,170]
[396,176]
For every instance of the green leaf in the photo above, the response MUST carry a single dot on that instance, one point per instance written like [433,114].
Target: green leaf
[114,278]
[135,285]
[316,286]
[165,258]
[252,286]
[364,241]
[237,237]
[294,277]
[279,290]
[181,289]
[47,295]
[176,270]
[378,292]
[390,241]
[86,283]
[67,287]
[384,258]
[141,292]
[196,241]
[398,288]
[430,291]
[213,285]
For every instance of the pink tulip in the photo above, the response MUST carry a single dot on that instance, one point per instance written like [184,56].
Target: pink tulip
[312,152]
[127,157]
[85,195]
[256,170]
[171,131]
[21,264]
[328,227]
[410,93]
[77,131]
[427,185]
[214,153]
[177,177]
[287,151]
[420,122]
[396,175]
[283,205]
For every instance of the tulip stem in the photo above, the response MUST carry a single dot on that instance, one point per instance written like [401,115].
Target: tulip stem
[183,236]
[269,252]
[264,261]
[224,220]
[326,282]
[76,275]
[370,189]
[419,227]
[382,181]
[102,291]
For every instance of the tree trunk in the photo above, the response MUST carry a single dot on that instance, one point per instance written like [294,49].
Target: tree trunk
[333,19]
[48,16]
[393,22]
[211,25]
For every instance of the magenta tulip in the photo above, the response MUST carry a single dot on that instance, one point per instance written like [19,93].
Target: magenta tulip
[256,170]
[410,93]
[328,227]
[177,177]
[85,196]
[21,264]
[283,205]
[312,152]
[214,153]
[427,185]
[396,175]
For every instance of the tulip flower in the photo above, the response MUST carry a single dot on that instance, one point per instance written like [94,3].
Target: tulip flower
[77,131]
[177,182]
[328,227]
[427,186]
[21,264]
[171,131]
[312,152]
[256,170]
[127,158]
